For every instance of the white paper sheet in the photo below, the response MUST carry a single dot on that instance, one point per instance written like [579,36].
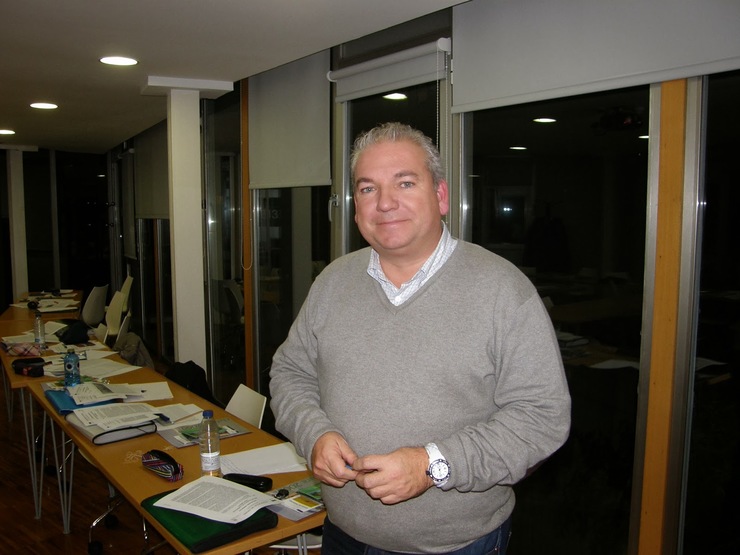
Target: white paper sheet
[116,415]
[216,499]
[274,459]
[155,391]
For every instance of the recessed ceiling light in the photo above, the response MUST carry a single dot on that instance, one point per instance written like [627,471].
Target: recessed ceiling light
[544,120]
[517,148]
[44,105]
[119,61]
[7,132]
[395,96]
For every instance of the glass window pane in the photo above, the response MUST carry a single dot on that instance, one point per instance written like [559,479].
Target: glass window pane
[222,162]
[711,508]
[565,200]
[293,238]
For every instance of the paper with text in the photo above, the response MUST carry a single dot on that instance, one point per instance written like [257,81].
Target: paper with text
[216,499]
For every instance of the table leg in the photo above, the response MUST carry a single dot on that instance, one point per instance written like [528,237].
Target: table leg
[36,467]
[8,397]
[65,473]
[302,542]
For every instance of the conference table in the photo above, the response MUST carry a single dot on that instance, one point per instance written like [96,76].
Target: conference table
[120,462]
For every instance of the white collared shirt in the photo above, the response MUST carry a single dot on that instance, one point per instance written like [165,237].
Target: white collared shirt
[399,295]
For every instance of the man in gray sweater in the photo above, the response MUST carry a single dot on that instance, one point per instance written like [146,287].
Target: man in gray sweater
[422,377]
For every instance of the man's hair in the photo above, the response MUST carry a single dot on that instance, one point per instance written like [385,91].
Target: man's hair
[395,132]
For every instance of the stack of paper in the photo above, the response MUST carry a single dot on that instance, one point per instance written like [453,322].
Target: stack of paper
[274,459]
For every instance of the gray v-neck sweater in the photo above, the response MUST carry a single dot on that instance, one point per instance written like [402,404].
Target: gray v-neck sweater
[469,362]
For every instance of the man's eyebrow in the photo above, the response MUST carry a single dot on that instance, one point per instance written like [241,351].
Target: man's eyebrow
[406,173]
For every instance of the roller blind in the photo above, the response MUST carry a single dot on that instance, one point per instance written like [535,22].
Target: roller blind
[289,125]
[414,66]
[514,51]
[151,159]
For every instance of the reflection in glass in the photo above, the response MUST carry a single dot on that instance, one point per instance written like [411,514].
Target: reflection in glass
[293,243]
[569,210]
[221,140]
[711,498]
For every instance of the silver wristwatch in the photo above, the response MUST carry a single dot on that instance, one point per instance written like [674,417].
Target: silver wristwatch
[439,468]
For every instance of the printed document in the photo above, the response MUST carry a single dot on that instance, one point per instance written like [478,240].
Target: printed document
[117,415]
[216,499]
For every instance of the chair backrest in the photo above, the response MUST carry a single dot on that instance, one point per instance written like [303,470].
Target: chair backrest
[108,332]
[121,337]
[193,378]
[93,311]
[248,405]
[126,292]
[114,314]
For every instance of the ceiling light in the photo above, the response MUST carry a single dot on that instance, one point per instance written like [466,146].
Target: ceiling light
[7,132]
[544,120]
[119,61]
[517,148]
[395,96]
[644,137]
[44,105]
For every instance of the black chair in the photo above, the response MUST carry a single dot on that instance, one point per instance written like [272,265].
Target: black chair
[193,378]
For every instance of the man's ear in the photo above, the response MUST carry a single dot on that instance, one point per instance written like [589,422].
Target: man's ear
[443,197]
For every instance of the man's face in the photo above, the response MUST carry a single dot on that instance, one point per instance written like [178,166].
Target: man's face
[397,209]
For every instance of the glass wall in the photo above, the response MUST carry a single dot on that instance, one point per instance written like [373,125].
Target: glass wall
[293,243]
[559,188]
[711,512]
[223,190]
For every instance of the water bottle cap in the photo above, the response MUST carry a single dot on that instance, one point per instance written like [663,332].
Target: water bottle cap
[207,414]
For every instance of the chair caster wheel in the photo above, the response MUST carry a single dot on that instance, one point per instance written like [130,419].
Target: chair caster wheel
[94,548]
[111,521]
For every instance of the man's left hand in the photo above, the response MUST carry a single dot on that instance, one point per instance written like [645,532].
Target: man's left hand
[394,477]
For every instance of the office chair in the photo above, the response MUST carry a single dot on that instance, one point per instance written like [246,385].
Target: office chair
[120,339]
[248,405]
[126,292]
[93,311]
[108,332]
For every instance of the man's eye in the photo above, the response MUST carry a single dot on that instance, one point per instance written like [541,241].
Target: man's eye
[365,190]
[407,184]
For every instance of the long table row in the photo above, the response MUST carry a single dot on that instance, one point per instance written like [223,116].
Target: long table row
[120,462]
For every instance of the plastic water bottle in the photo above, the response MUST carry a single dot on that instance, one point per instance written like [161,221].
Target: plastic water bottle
[39,333]
[71,368]
[210,446]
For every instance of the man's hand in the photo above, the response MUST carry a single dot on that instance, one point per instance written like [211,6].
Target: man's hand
[332,459]
[394,477]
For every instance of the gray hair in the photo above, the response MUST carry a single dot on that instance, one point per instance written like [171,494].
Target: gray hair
[395,132]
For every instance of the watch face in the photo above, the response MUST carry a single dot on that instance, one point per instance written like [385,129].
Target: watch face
[439,470]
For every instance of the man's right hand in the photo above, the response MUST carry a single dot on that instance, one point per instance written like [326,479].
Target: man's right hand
[332,459]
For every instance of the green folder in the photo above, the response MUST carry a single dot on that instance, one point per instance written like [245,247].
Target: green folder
[200,534]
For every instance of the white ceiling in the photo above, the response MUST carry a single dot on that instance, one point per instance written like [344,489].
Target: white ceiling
[50,52]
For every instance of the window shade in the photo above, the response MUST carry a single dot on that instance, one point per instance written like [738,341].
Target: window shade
[514,51]
[151,159]
[414,66]
[289,125]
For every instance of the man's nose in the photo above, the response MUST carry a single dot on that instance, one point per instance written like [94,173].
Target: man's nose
[386,199]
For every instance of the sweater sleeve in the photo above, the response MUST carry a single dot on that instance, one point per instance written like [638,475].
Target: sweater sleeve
[531,419]
[294,385]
